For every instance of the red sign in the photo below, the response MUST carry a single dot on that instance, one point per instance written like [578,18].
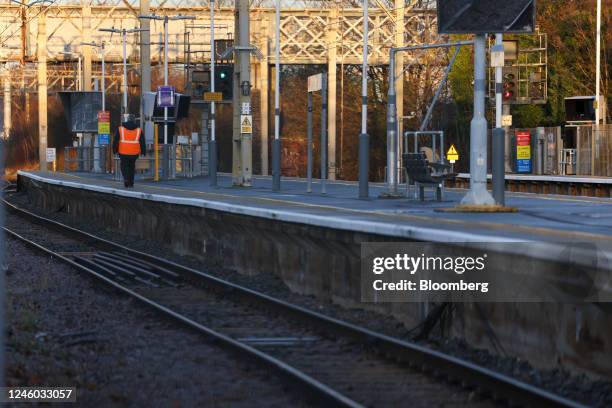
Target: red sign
[523,138]
[103,116]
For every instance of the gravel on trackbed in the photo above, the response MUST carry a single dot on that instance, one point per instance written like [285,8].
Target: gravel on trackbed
[578,387]
[65,329]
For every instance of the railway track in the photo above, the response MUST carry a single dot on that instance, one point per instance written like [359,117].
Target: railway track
[334,362]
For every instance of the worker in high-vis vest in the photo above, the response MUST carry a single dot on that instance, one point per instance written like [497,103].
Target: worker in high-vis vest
[129,143]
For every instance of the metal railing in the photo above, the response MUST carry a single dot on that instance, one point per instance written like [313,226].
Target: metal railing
[567,162]
[178,162]
[87,158]
[174,161]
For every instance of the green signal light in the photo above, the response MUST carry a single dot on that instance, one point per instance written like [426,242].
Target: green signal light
[222,75]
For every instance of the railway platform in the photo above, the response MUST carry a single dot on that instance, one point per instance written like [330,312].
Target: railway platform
[539,217]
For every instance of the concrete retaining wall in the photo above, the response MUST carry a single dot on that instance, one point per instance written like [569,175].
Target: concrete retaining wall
[326,262]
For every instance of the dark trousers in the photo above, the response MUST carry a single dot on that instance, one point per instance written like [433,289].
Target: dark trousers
[128,168]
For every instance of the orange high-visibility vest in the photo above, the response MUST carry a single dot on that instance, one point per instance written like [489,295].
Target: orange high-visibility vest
[129,141]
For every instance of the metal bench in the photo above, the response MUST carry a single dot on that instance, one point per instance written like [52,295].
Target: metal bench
[423,173]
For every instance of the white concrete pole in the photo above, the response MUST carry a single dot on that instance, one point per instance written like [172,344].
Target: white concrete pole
[364,142]
[103,77]
[212,143]
[276,150]
[42,91]
[6,80]
[86,48]
[125,80]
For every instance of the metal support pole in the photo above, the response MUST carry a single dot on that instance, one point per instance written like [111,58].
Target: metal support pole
[323,134]
[125,81]
[86,48]
[212,142]
[497,168]
[145,61]
[478,194]
[309,140]
[156,152]
[103,82]
[42,91]
[276,147]
[597,68]
[6,80]
[391,130]
[364,140]
[425,121]
[508,142]
[498,138]
[166,78]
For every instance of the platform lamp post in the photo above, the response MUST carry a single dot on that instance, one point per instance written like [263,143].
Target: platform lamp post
[212,143]
[276,146]
[478,194]
[103,86]
[364,141]
[124,32]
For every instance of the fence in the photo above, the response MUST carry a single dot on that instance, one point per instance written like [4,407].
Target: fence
[594,150]
[185,162]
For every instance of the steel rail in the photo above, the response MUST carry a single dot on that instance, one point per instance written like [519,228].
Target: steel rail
[499,386]
[322,391]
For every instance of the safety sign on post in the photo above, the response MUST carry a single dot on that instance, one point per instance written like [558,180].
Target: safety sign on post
[103,122]
[506,120]
[103,139]
[452,155]
[50,154]
[315,82]
[246,124]
[213,96]
[523,151]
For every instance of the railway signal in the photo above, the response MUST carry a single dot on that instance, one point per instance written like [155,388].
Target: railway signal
[509,84]
[224,75]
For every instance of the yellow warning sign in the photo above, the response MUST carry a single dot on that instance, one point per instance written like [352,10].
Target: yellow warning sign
[213,96]
[246,124]
[452,155]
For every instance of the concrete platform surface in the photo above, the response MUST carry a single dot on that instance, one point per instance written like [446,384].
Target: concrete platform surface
[543,218]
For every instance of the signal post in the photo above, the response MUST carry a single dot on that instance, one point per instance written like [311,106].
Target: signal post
[242,152]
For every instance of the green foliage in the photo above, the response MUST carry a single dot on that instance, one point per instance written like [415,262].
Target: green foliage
[527,116]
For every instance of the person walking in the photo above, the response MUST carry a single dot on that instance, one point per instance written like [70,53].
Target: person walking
[129,143]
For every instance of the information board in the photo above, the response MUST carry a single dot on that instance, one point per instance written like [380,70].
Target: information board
[165,96]
[485,16]
[81,110]
[50,154]
[523,151]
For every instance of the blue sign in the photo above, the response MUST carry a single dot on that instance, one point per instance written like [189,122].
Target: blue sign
[523,165]
[165,96]
[103,139]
